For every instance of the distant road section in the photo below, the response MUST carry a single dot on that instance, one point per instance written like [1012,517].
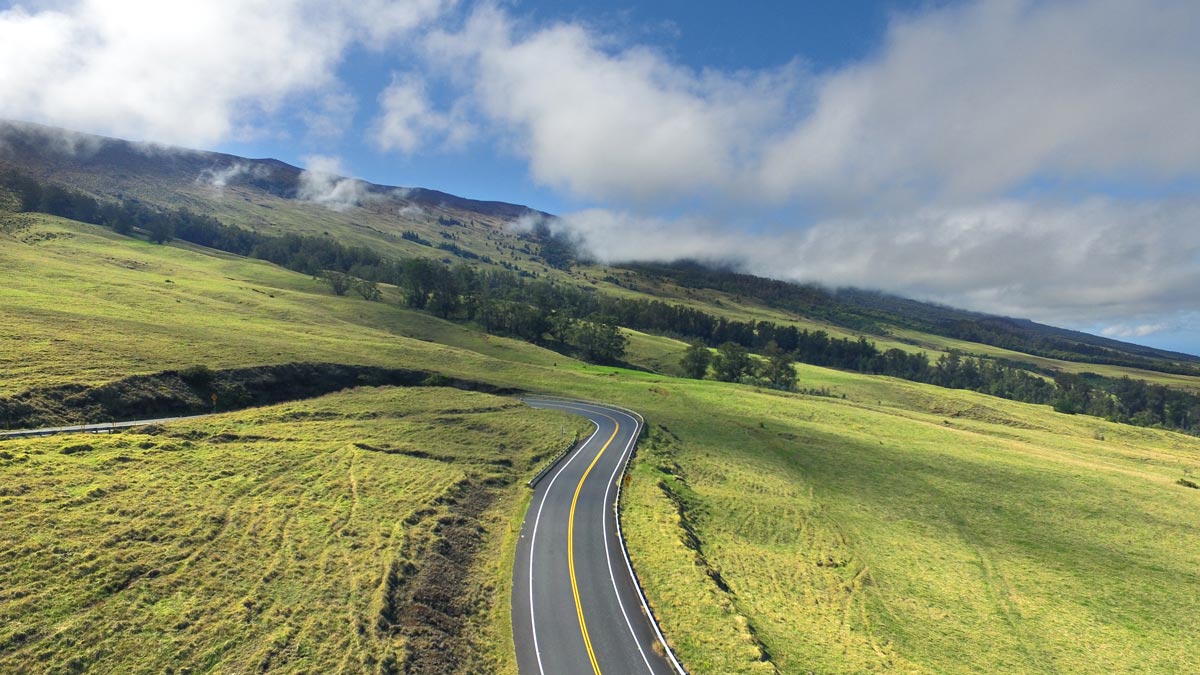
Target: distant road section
[575,606]
[101,428]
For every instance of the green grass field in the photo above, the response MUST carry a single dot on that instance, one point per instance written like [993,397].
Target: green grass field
[302,538]
[902,528]
[94,306]
[956,534]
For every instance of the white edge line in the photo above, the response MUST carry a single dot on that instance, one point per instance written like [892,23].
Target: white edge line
[637,584]
[604,521]
[604,525]
[533,541]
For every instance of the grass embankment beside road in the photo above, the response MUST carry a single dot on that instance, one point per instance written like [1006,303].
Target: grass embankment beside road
[341,534]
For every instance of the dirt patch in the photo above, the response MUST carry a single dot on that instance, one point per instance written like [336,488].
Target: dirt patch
[428,604]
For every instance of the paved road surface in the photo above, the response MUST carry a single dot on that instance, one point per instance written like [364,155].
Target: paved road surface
[101,428]
[575,606]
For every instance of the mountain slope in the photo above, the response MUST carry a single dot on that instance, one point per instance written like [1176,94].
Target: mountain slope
[882,525]
[880,313]
[273,197]
[270,196]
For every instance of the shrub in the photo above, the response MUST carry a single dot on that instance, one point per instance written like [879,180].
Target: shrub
[197,376]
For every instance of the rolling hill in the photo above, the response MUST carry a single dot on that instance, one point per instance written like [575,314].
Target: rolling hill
[271,196]
[867,523]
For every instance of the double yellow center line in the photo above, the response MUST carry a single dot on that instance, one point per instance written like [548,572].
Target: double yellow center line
[587,641]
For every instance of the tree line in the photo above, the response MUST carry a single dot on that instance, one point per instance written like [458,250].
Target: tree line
[586,323]
[867,311]
[301,253]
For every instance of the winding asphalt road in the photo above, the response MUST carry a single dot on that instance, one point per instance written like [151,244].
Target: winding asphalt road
[575,607]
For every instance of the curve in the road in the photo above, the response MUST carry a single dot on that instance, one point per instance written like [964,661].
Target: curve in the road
[576,609]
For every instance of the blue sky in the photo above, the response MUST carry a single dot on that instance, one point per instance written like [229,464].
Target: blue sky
[1031,158]
[759,35]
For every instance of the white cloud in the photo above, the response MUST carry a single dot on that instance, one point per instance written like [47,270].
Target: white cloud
[219,177]
[411,212]
[1126,331]
[974,100]
[322,182]
[959,104]
[1080,263]
[622,124]
[527,222]
[408,120]
[193,73]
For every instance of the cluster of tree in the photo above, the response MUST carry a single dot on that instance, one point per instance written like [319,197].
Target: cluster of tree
[411,235]
[1128,401]
[1008,335]
[341,283]
[808,300]
[55,200]
[504,303]
[733,363]
[458,251]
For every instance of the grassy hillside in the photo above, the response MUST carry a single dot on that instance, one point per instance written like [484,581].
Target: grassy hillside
[902,528]
[359,532]
[268,196]
[91,306]
[881,313]
[911,529]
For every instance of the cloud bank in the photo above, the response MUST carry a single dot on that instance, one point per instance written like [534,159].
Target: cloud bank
[190,73]
[1031,158]
[958,104]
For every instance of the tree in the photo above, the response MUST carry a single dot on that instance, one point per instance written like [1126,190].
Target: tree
[160,230]
[418,281]
[338,282]
[695,361]
[561,326]
[597,342]
[731,362]
[778,369]
[369,290]
[445,298]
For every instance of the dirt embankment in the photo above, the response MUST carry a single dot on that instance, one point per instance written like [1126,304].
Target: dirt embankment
[192,391]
